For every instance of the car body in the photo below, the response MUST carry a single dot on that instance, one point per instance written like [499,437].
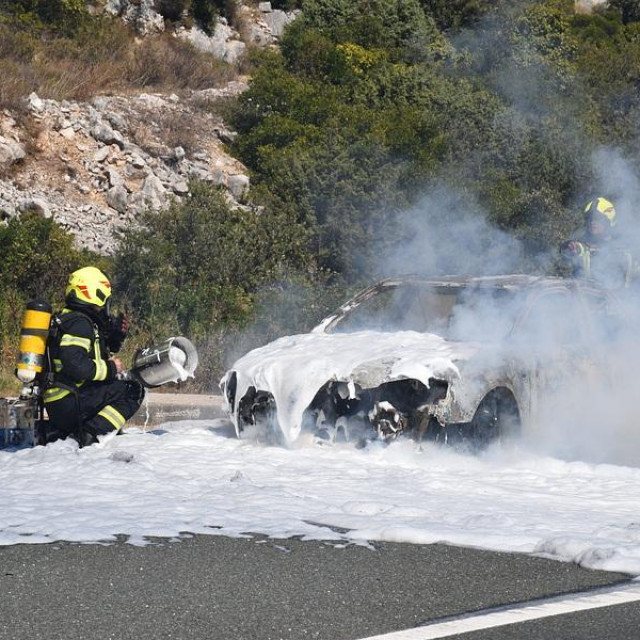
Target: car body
[469,359]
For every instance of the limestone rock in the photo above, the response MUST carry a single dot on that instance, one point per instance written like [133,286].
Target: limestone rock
[154,191]
[37,205]
[178,154]
[35,103]
[277,20]
[115,179]
[181,188]
[238,185]
[139,13]
[104,133]
[137,161]
[117,198]
[116,161]
[101,154]
[10,151]
[224,43]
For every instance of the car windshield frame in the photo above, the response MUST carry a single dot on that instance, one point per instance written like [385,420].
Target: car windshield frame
[457,312]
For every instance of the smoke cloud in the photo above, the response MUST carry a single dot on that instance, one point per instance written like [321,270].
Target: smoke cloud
[582,368]
[448,233]
[587,409]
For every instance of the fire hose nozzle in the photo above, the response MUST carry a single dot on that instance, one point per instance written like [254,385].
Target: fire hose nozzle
[174,360]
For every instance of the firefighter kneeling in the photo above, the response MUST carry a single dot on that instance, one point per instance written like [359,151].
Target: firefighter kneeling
[86,398]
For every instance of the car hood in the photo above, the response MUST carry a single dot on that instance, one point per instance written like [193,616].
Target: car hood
[294,368]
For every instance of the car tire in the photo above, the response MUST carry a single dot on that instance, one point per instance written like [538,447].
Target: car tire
[496,419]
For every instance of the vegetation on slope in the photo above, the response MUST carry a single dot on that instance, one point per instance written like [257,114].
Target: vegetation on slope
[60,50]
[379,125]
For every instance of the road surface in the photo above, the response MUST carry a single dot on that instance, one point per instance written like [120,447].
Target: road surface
[218,588]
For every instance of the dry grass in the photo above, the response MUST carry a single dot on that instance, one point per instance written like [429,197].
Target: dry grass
[103,58]
[16,82]
[168,63]
[174,127]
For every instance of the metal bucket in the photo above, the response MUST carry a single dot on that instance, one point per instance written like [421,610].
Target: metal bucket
[17,422]
[173,361]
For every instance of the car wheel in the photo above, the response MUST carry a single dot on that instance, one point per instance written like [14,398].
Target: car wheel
[496,418]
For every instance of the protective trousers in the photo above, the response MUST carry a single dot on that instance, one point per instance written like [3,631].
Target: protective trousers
[94,410]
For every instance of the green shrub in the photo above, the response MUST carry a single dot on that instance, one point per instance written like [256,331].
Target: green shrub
[453,14]
[287,5]
[61,16]
[194,268]
[172,9]
[38,256]
[629,9]
[395,25]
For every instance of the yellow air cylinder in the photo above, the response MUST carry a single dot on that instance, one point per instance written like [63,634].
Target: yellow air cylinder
[33,340]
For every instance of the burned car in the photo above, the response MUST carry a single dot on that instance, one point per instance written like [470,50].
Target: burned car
[465,359]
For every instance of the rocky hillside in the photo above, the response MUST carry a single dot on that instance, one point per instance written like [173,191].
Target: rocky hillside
[93,166]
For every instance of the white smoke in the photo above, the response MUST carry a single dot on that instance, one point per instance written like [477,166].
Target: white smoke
[586,408]
[594,415]
[448,233]
[617,177]
[584,366]
[589,409]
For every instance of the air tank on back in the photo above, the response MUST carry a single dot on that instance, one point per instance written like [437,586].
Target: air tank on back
[33,340]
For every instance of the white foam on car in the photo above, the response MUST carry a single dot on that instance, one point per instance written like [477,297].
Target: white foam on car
[285,369]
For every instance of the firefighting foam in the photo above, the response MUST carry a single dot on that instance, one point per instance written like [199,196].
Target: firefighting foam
[189,477]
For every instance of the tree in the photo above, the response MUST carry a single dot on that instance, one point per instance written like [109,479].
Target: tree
[453,14]
[396,25]
[195,266]
[37,258]
[64,16]
[629,9]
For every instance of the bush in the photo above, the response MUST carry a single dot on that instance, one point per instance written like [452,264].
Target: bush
[38,256]
[194,269]
[100,55]
[172,9]
[63,17]
[629,9]
[287,5]
[453,14]
[394,25]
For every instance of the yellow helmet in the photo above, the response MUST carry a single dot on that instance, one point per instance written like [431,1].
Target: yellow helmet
[601,206]
[88,285]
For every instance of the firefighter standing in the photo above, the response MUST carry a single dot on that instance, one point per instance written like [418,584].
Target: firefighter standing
[597,253]
[86,398]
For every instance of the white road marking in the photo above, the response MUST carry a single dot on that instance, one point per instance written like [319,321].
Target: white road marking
[500,617]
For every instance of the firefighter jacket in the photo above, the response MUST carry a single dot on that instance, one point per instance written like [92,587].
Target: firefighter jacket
[79,354]
[609,263]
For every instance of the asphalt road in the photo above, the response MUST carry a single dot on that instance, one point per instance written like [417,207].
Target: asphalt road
[218,588]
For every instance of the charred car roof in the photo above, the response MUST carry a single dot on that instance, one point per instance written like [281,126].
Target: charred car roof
[510,282]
